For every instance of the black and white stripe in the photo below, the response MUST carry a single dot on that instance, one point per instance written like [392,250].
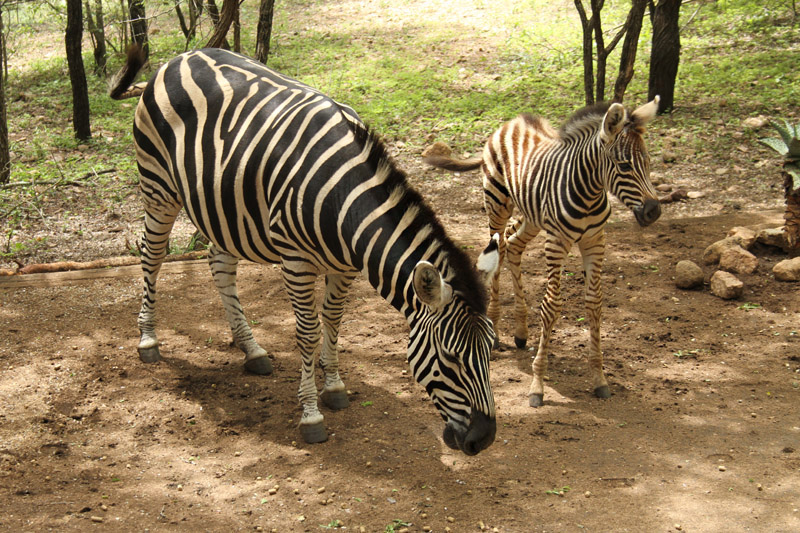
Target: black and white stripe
[559,182]
[273,171]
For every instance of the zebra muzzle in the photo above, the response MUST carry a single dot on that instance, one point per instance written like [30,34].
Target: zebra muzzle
[477,437]
[647,213]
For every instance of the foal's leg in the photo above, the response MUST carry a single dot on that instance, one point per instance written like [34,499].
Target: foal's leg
[592,251]
[223,269]
[158,221]
[334,395]
[555,251]
[499,208]
[521,234]
[300,277]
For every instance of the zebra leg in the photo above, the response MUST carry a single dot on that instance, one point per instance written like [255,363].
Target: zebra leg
[299,278]
[334,395]
[223,269]
[499,213]
[555,251]
[158,221]
[519,235]
[592,251]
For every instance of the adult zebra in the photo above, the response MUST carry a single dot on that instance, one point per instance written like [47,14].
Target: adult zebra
[559,180]
[273,171]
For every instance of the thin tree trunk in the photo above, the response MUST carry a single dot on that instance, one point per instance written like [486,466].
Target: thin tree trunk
[213,12]
[229,10]
[139,25]
[77,74]
[588,63]
[5,154]
[629,48]
[665,53]
[98,33]
[264,29]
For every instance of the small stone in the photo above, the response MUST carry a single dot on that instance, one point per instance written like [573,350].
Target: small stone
[725,285]
[755,122]
[97,519]
[694,195]
[787,270]
[747,237]
[712,253]
[426,528]
[272,491]
[721,468]
[738,260]
[774,237]
[320,490]
[688,275]
[450,519]
[179,487]
[587,494]
[678,527]
[664,187]
[759,487]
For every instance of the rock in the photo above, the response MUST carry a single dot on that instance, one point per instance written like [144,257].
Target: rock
[746,236]
[668,156]
[787,270]
[725,285]
[664,187]
[755,122]
[688,275]
[712,254]
[738,260]
[774,237]
[694,195]
[437,149]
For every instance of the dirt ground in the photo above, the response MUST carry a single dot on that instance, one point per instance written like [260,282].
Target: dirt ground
[701,433]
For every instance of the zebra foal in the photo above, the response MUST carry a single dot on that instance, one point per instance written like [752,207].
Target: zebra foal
[273,171]
[559,182]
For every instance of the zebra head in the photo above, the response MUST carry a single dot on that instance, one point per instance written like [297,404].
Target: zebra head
[449,350]
[629,163]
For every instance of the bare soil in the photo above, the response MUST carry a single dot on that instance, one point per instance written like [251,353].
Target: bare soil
[701,433]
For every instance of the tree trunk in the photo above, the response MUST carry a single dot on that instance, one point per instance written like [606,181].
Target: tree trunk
[665,53]
[219,33]
[588,64]
[602,53]
[792,214]
[629,48]
[139,25]
[5,155]
[97,31]
[264,29]
[77,75]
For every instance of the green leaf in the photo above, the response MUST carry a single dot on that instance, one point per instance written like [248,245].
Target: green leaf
[776,144]
[794,172]
[786,131]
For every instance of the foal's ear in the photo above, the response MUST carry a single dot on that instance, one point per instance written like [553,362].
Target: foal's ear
[613,122]
[645,113]
[489,260]
[429,286]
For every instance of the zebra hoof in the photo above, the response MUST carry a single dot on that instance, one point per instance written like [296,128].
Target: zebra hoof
[313,433]
[150,355]
[335,399]
[259,365]
[520,342]
[602,392]
[536,400]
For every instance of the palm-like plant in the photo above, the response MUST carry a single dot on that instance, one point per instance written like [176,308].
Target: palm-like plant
[788,145]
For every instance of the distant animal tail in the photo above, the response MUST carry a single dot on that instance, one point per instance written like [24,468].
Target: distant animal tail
[452,164]
[122,85]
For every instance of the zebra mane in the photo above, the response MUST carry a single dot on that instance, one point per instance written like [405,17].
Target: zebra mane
[466,280]
[589,116]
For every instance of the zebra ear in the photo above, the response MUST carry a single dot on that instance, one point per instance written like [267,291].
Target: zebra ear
[613,122]
[645,113]
[489,260]
[429,286]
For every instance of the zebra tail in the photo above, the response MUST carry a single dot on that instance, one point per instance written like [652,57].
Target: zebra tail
[122,85]
[454,165]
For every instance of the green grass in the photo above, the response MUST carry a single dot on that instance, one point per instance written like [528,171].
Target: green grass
[415,83]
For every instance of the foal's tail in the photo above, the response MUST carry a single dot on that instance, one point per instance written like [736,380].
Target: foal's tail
[452,164]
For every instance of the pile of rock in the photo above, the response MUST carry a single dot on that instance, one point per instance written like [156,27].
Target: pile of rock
[732,256]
